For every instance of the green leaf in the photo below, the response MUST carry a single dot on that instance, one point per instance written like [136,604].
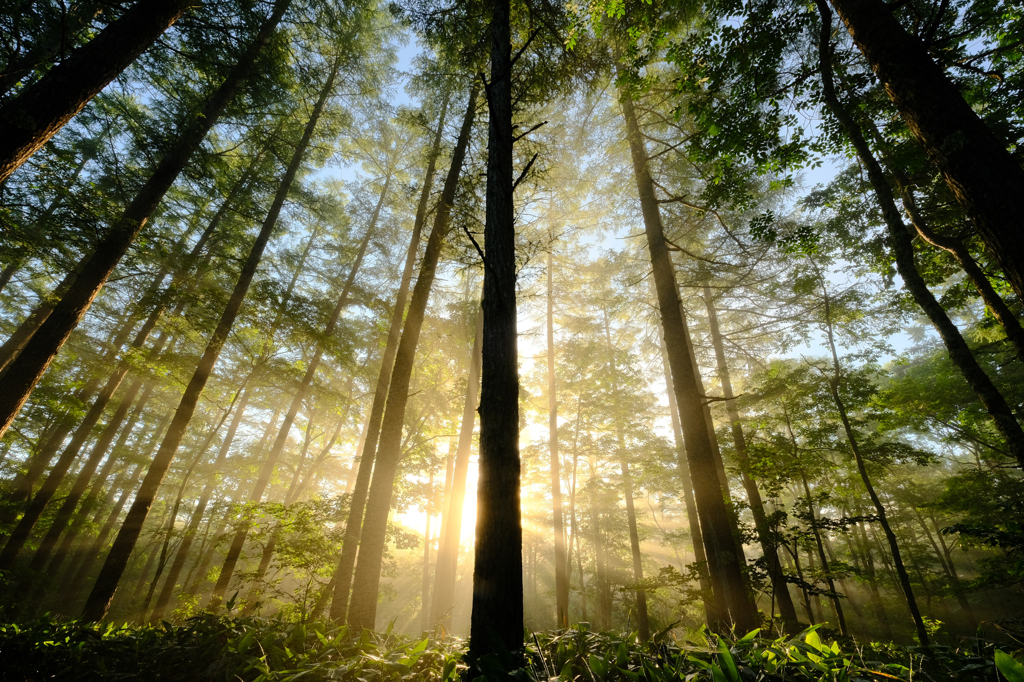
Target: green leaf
[732,673]
[1009,667]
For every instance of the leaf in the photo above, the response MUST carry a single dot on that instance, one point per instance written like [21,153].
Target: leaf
[1009,667]
[732,673]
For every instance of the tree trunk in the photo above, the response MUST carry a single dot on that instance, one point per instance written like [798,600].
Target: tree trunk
[368,447]
[834,596]
[985,179]
[362,610]
[558,526]
[189,533]
[498,573]
[43,108]
[451,535]
[730,597]
[26,370]
[902,246]
[300,394]
[78,580]
[764,532]
[99,601]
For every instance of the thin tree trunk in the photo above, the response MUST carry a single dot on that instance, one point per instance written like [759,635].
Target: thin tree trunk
[764,532]
[78,581]
[731,599]
[189,533]
[425,591]
[448,549]
[984,177]
[558,525]
[362,610]
[25,371]
[43,108]
[368,447]
[899,237]
[497,574]
[834,595]
[99,601]
[277,448]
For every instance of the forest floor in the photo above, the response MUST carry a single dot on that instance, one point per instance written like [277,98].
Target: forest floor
[258,650]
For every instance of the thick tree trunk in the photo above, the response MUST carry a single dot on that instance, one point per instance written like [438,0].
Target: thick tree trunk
[17,341]
[764,532]
[25,371]
[362,610]
[451,534]
[99,601]
[300,395]
[558,525]
[497,573]
[902,246]
[982,174]
[342,578]
[43,108]
[731,599]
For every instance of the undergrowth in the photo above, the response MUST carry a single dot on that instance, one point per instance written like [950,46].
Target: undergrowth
[259,650]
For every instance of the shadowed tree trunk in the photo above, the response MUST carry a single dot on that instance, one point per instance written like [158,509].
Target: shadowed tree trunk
[731,601]
[106,584]
[497,617]
[342,577]
[764,532]
[984,177]
[24,372]
[362,609]
[43,108]
[903,251]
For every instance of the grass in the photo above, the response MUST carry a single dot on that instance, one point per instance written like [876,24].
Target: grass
[260,650]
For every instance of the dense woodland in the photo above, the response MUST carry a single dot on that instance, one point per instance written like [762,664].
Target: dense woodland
[642,318]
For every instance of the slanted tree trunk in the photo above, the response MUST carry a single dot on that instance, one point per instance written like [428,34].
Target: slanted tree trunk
[764,532]
[498,569]
[106,584]
[558,525]
[903,251]
[231,559]
[362,611]
[24,372]
[43,108]
[834,595]
[731,599]
[188,535]
[367,450]
[77,582]
[984,177]
[447,563]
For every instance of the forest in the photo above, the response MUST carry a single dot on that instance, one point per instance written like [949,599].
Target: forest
[512,339]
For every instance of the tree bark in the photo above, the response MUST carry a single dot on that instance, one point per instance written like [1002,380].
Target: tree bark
[497,574]
[362,610]
[983,176]
[106,584]
[730,598]
[43,108]
[25,371]
[368,447]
